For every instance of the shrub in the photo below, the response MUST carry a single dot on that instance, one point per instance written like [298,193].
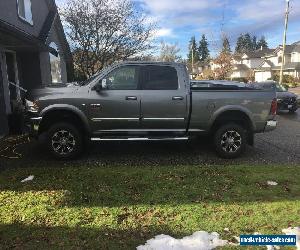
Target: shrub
[286,79]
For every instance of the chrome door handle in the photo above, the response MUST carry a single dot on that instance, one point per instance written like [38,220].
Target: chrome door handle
[95,105]
[131,98]
[177,98]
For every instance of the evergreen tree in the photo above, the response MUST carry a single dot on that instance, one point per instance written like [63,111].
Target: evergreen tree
[246,43]
[203,50]
[226,45]
[247,46]
[239,44]
[193,51]
[262,43]
[254,43]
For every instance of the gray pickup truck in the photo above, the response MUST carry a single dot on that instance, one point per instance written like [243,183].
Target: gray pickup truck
[150,101]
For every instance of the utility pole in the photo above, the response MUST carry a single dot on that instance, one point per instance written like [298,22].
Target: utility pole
[284,39]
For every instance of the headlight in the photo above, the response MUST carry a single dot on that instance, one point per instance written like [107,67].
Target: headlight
[32,106]
[279,100]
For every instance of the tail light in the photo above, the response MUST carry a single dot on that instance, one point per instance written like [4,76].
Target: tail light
[274,107]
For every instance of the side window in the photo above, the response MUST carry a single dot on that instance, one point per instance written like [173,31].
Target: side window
[123,78]
[24,10]
[159,78]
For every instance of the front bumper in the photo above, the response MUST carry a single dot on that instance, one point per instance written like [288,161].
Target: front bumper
[271,125]
[287,105]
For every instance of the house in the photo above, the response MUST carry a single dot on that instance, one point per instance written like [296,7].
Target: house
[245,64]
[34,52]
[272,62]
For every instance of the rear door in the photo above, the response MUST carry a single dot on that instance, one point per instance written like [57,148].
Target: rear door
[163,100]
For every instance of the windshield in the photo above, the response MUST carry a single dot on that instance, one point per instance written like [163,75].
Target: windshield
[280,88]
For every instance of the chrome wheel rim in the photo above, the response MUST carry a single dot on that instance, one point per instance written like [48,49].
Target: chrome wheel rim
[231,141]
[63,142]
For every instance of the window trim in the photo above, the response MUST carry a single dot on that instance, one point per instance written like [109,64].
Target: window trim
[142,70]
[30,22]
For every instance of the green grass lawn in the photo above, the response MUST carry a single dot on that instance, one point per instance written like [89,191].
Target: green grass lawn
[121,207]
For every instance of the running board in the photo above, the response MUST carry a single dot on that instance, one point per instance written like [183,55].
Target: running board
[140,139]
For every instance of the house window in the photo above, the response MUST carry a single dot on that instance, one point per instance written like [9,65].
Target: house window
[280,59]
[24,10]
[55,65]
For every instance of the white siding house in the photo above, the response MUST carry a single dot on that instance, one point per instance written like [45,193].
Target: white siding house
[245,64]
[272,63]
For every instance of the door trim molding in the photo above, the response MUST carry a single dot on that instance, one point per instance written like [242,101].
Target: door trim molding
[142,130]
[140,139]
[163,119]
[115,119]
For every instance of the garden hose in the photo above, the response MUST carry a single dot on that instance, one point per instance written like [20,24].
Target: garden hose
[9,146]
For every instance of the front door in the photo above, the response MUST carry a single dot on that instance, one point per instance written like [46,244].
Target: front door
[163,102]
[116,108]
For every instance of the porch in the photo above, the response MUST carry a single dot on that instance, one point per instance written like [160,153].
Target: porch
[24,65]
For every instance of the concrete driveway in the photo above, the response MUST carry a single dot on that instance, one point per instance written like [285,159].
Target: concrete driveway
[281,146]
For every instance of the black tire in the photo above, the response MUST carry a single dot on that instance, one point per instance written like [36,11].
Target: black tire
[64,141]
[230,140]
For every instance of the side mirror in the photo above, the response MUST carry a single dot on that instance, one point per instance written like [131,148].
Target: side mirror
[103,84]
[98,87]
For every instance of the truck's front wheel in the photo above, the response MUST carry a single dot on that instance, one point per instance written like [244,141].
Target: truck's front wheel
[64,141]
[230,140]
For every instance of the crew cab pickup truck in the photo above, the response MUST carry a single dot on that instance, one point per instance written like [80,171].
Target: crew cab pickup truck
[150,101]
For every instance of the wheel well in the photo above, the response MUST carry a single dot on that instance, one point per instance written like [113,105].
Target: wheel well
[236,116]
[56,116]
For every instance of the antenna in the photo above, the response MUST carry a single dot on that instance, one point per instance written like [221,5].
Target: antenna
[222,21]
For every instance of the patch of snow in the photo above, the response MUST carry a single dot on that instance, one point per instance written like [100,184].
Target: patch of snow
[293,231]
[197,241]
[272,183]
[29,178]
[273,247]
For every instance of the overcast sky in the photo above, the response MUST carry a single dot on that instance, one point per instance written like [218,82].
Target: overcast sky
[178,20]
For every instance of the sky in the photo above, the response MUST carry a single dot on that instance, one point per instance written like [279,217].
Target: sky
[178,20]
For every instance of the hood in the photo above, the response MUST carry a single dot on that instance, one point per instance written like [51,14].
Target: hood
[286,94]
[52,90]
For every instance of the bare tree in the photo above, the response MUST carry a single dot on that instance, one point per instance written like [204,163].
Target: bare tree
[104,31]
[169,52]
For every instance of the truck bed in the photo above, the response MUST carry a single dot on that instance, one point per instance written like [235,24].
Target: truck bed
[208,103]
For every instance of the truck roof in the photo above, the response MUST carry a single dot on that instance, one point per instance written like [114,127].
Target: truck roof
[151,62]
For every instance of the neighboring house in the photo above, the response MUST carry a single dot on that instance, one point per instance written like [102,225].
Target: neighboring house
[272,63]
[245,64]
[33,51]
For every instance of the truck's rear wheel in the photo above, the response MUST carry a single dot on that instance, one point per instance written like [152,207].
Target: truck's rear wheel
[64,141]
[230,140]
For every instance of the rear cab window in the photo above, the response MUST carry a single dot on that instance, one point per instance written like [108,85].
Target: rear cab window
[159,78]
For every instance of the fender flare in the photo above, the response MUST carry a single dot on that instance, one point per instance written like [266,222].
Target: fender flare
[69,108]
[227,108]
